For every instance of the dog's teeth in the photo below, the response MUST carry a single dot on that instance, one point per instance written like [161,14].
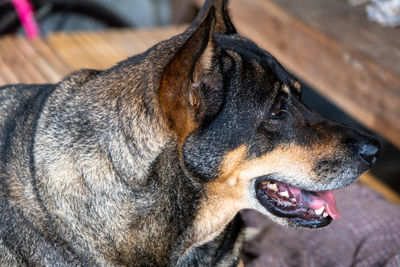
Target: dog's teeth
[272,187]
[325,214]
[284,194]
[320,210]
[265,182]
[293,200]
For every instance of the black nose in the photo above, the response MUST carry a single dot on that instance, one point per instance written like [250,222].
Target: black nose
[368,151]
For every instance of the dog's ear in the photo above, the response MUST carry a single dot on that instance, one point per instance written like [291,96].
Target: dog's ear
[223,23]
[191,90]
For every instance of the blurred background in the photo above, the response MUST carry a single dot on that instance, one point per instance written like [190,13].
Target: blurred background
[346,52]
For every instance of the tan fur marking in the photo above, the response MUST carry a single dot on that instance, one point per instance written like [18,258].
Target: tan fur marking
[297,86]
[276,87]
[176,107]
[285,88]
[224,197]
[232,192]
[257,67]
[205,63]
[292,160]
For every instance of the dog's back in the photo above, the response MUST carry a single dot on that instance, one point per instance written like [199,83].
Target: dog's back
[24,241]
[15,101]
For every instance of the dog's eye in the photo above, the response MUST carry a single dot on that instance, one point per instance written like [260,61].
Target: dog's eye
[276,112]
[279,111]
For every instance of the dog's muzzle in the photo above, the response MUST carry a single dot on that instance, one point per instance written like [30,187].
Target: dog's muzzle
[303,208]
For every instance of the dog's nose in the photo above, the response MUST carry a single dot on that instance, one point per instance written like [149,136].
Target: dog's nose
[368,151]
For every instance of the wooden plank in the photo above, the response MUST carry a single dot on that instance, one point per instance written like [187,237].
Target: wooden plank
[23,61]
[167,32]
[7,75]
[145,39]
[129,41]
[5,69]
[2,80]
[116,47]
[56,66]
[371,181]
[41,61]
[356,83]
[102,50]
[98,60]
[350,26]
[71,51]
[126,41]
[47,72]
[16,60]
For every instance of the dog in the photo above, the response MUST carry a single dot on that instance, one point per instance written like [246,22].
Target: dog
[149,162]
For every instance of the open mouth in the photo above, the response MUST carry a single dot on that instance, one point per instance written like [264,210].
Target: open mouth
[303,208]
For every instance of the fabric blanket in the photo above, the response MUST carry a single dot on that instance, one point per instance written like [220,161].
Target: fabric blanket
[367,235]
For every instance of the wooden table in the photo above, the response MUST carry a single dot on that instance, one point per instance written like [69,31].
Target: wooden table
[49,59]
[335,49]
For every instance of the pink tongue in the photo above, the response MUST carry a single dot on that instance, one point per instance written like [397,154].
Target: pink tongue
[316,200]
[328,199]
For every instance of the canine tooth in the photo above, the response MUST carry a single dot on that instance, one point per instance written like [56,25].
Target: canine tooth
[325,214]
[273,187]
[265,182]
[320,210]
[293,200]
[284,194]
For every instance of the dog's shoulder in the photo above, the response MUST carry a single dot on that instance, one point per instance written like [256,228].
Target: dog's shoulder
[79,78]
[16,102]
[22,213]
[16,95]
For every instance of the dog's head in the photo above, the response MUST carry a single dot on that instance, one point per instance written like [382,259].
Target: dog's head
[243,130]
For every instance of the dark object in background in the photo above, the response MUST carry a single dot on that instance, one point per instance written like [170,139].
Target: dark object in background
[90,14]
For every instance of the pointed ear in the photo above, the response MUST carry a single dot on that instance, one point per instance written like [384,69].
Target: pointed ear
[187,82]
[223,23]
